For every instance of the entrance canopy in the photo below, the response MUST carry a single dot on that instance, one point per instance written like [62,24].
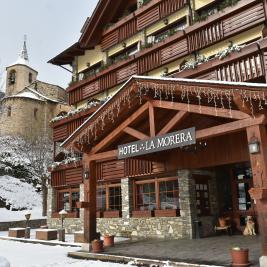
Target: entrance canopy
[146,107]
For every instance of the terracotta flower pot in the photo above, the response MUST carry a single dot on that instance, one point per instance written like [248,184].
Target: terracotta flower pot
[97,246]
[222,222]
[240,257]
[108,240]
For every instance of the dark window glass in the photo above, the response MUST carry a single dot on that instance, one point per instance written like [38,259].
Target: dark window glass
[115,198]
[146,196]
[101,198]
[169,194]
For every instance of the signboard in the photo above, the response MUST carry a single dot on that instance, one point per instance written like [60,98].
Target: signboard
[181,138]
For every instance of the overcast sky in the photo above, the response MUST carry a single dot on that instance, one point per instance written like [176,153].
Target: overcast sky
[51,26]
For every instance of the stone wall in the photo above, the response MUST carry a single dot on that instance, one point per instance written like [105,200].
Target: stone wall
[4,226]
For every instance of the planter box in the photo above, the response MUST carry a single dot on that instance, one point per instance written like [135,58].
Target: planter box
[167,213]
[112,214]
[46,234]
[258,193]
[16,232]
[142,213]
[99,214]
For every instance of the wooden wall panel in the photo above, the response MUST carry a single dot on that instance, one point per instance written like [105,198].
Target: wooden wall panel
[148,18]
[76,95]
[110,170]
[60,133]
[127,30]
[90,89]
[107,81]
[169,6]
[126,72]
[73,125]
[110,39]
[208,76]
[244,20]
[174,51]
[149,62]
[74,176]
[243,70]
[58,178]
[205,36]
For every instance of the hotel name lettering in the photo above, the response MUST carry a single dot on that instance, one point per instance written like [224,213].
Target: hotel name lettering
[181,138]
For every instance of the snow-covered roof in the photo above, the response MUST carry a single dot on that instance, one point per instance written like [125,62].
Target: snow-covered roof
[28,95]
[147,78]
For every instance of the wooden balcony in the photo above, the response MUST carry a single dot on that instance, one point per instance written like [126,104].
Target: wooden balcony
[218,27]
[67,175]
[246,65]
[138,20]
[65,127]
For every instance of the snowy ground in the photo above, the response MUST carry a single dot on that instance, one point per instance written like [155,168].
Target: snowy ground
[35,255]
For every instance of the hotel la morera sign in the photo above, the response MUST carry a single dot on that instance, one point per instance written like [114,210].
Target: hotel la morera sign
[181,138]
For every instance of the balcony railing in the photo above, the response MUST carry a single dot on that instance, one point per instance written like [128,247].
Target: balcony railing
[233,20]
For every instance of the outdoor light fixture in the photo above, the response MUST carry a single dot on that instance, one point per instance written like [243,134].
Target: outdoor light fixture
[63,215]
[254,145]
[61,232]
[28,229]
[86,174]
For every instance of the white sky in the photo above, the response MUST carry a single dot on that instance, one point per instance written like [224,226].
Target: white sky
[51,27]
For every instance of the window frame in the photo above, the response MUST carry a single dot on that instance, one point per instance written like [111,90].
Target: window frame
[157,182]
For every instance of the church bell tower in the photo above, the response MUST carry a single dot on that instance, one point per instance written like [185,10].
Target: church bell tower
[20,74]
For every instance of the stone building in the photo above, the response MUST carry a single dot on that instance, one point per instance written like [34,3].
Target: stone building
[29,104]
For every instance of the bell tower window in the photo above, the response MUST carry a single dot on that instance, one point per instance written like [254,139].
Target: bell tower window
[9,111]
[30,77]
[12,77]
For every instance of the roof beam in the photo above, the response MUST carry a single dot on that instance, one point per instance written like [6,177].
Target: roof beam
[152,120]
[135,133]
[210,111]
[180,115]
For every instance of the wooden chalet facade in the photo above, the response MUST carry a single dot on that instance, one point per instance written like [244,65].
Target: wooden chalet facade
[155,69]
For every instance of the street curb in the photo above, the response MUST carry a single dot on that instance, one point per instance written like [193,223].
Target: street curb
[42,242]
[133,260]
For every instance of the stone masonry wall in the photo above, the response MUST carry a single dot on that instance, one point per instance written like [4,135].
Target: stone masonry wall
[154,227]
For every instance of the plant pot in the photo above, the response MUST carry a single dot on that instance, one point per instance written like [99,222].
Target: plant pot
[97,246]
[108,241]
[240,257]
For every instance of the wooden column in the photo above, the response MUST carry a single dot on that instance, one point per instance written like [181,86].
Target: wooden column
[259,170]
[90,197]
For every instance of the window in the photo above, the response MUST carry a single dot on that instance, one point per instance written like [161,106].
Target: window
[160,194]
[30,77]
[12,77]
[35,111]
[9,111]
[146,196]
[108,197]
[67,199]
[127,52]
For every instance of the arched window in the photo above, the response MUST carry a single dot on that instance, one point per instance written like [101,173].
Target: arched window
[9,111]
[30,77]
[12,77]
[35,111]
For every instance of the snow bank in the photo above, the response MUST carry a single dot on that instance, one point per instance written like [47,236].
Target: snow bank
[4,262]
[17,194]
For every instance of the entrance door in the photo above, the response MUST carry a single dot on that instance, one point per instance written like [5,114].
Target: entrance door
[243,206]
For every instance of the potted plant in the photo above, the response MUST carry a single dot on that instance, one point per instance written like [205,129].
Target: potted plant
[108,240]
[240,257]
[97,246]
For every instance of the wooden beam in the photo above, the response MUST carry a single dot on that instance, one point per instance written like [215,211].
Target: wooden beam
[135,133]
[205,110]
[259,171]
[152,120]
[109,155]
[242,106]
[177,118]
[108,139]
[230,127]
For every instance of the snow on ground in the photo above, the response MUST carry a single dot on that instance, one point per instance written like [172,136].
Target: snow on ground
[4,262]
[17,195]
[35,255]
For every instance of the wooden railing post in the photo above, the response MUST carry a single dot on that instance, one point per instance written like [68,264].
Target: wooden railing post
[259,170]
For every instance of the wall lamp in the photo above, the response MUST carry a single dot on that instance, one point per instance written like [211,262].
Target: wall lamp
[254,145]
[86,174]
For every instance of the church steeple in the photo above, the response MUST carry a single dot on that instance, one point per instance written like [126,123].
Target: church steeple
[24,52]
[20,74]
